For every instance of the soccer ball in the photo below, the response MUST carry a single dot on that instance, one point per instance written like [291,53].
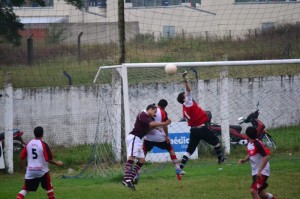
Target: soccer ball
[170,69]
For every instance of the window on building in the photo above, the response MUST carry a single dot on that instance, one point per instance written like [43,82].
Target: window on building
[154,3]
[49,3]
[169,31]
[101,4]
[242,1]
[267,25]
[191,1]
[151,3]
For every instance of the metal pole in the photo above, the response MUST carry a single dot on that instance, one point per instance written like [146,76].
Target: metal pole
[121,26]
[79,48]
[30,50]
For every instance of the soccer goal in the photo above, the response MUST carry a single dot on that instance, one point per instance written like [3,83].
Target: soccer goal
[228,89]
[226,95]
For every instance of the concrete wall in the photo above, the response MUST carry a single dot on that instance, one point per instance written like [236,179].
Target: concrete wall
[70,115]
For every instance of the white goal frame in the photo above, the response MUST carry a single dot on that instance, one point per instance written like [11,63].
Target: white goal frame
[122,69]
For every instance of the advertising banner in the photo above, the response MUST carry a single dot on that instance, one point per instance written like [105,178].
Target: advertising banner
[179,134]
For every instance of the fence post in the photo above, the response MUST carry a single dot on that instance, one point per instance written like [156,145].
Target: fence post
[79,47]
[30,50]
[8,124]
[224,108]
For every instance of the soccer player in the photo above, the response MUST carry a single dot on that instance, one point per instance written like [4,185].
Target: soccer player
[143,124]
[196,119]
[259,156]
[159,137]
[38,156]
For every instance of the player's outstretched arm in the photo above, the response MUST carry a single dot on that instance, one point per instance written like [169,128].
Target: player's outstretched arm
[242,161]
[156,124]
[57,163]
[187,85]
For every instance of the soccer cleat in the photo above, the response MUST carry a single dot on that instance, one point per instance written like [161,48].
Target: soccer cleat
[129,184]
[222,160]
[179,173]
[136,179]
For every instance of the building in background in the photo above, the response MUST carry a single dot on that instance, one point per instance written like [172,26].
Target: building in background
[160,18]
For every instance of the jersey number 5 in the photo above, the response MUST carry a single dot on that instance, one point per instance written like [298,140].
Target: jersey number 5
[34,154]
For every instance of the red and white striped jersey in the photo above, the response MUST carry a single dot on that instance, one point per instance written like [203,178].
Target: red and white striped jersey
[38,153]
[158,134]
[257,151]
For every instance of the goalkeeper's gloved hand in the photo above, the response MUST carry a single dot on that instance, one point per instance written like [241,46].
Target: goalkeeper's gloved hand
[184,75]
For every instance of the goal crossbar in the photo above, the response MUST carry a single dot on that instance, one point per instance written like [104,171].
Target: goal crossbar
[210,63]
[216,63]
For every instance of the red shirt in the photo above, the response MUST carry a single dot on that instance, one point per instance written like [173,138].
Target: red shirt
[194,115]
[257,151]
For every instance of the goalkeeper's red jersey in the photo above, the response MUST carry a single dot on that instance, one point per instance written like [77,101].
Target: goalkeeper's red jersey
[194,115]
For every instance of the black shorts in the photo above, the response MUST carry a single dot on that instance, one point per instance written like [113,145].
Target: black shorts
[201,133]
[33,184]
[148,145]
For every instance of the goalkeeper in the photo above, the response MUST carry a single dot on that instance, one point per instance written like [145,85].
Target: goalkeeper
[159,137]
[143,124]
[196,119]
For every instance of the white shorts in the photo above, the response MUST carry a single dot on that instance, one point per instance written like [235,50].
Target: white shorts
[135,146]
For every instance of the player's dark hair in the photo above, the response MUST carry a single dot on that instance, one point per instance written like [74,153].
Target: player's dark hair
[163,103]
[151,106]
[251,132]
[180,98]
[38,132]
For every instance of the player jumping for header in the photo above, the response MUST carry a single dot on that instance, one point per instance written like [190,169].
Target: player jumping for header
[196,119]
[159,137]
[143,124]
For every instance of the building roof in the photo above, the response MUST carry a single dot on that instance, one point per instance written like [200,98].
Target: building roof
[35,20]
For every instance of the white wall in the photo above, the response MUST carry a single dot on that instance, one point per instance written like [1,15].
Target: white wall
[69,115]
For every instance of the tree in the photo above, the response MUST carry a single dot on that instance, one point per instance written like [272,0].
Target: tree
[10,24]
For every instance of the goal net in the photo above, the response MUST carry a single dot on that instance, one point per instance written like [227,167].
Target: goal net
[62,48]
[130,88]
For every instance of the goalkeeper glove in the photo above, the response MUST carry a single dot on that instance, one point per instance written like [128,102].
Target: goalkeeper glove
[184,76]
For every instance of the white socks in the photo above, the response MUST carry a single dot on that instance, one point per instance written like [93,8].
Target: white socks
[270,196]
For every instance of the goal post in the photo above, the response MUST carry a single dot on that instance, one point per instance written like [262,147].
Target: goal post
[153,73]
[228,89]
[8,115]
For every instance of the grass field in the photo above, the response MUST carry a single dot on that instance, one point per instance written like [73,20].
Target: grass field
[203,179]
